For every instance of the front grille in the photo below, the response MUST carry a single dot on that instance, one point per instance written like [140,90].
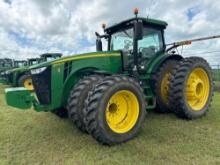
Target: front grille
[42,86]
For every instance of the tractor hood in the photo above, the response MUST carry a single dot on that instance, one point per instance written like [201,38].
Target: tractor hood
[17,69]
[75,57]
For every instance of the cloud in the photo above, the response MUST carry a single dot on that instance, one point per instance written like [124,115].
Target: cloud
[29,28]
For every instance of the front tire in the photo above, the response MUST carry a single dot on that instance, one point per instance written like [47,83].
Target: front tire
[77,101]
[26,81]
[116,110]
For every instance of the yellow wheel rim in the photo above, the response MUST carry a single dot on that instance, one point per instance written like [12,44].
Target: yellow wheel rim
[165,87]
[198,89]
[122,111]
[28,84]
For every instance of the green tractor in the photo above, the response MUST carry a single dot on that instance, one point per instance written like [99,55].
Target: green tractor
[15,64]
[5,64]
[107,93]
[49,57]
[15,76]
[21,77]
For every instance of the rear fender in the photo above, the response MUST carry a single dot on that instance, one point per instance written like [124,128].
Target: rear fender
[159,61]
[73,79]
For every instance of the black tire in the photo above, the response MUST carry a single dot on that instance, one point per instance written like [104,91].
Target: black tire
[22,79]
[178,84]
[163,106]
[98,99]
[61,113]
[77,101]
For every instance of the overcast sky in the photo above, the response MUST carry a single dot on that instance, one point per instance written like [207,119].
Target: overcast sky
[31,27]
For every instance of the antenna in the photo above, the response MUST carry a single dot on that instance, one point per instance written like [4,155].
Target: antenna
[149,9]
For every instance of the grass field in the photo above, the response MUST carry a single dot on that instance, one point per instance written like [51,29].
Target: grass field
[28,137]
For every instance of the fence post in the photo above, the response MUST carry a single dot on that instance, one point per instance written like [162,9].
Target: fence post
[219,76]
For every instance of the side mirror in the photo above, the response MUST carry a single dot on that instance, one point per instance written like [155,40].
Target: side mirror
[98,45]
[138,30]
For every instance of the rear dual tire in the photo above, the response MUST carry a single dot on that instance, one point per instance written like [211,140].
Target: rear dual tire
[191,88]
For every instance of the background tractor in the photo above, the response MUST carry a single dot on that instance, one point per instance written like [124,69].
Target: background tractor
[49,57]
[107,93]
[14,64]
[5,64]
[14,76]
[21,77]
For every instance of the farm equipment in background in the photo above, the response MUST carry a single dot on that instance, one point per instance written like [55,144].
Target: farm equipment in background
[49,57]
[107,93]
[32,61]
[20,76]
[15,64]
[20,66]
[5,64]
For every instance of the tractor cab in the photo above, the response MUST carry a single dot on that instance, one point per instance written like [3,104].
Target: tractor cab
[20,63]
[139,39]
[49,56]
[33,61]
[2,64]
[5,63]
[8,63]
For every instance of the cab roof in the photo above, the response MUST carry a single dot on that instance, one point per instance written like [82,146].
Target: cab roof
[51,55]
[33,59]
[146,21]
[20,61]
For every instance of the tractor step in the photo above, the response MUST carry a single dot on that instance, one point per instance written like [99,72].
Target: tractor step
[149,97]
[151,102]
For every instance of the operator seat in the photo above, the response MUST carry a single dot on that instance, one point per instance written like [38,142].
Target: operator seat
[148,52]
[144,57]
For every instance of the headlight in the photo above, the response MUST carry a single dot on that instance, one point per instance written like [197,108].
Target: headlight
[38,70]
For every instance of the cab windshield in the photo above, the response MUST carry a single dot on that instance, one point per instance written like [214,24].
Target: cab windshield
[7,64]
[34,62]
[51,58]
[20,64]
[150,44]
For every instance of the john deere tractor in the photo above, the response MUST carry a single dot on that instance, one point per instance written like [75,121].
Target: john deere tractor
[21,77]
[16,76]
[107,93]
[5,64]
[49,57]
